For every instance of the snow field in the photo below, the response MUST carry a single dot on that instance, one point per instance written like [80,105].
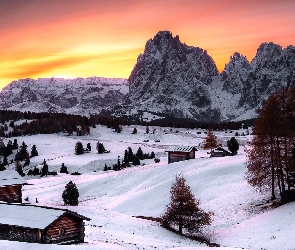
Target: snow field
[112,199]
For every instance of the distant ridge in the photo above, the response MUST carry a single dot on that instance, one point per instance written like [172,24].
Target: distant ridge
[169,78]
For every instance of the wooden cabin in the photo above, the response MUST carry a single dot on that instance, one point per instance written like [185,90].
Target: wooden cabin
[220,152]
[181,153]
[36,224]
[11,183]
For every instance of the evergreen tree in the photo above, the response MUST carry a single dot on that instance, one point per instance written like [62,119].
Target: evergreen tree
[135,160]
[100,148]
[210,141]
[130,154]
[63,169]
[36,171]
[9,148]
[152,155]
[184,212]
[88,146]
[126,156]
[34,151]
[139,153]
[233,145]
[44,170]
[71,194]
[79,148]
[134,131]
[14,145]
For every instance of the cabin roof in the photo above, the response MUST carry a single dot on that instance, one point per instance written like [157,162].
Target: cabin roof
[185,149]
[11,177]
[31,216]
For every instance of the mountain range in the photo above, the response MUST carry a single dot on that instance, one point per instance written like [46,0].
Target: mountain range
[169,78]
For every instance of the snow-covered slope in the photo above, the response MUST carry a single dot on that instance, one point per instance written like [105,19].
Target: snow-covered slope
[242,217]
[78,96]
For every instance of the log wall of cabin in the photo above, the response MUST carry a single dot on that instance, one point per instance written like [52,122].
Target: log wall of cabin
[177,156]
[11,194]
[66,228]
[14,233]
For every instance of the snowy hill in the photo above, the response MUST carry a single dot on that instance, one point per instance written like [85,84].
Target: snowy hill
[242,217]
[78,96]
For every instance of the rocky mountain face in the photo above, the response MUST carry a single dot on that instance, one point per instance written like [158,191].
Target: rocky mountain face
[169,78]
[173,78]
[79,96]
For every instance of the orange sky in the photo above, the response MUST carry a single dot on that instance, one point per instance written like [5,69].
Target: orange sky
[70,38]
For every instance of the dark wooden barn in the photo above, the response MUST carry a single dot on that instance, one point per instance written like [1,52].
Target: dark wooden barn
[181,153]
[220,152]
[35,224]
[11,186]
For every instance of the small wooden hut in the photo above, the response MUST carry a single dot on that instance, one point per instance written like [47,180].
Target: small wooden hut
[181,153]
[11,183]
[36,224]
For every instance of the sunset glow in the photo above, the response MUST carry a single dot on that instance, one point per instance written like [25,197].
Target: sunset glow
[104,38]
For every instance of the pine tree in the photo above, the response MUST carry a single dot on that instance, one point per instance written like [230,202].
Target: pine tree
[233,145]
[79,148]
[152,155]
[44,170]
[63,169]
[210,141]
[134,131]
[100,148]
[71,194]
[139,153]
[125,156]
[130,154]
[34,151]
[14,145]
[135,160]
[184,212]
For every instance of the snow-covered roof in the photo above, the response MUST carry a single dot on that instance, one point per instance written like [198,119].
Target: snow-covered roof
[11,177]
[30,216]
[181,149]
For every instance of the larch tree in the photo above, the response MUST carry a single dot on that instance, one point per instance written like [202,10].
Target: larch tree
[269,153]
[210,141]
[184,212]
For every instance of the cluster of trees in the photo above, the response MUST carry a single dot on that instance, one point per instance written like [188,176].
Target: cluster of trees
[43,123]
[189,123]
[211,143]
[271,153]
[130,157]
[79,149]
